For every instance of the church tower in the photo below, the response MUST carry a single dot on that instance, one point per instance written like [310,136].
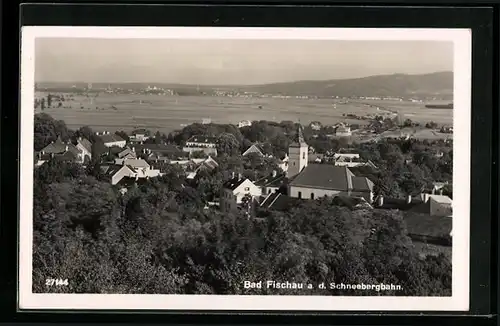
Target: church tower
[297,154]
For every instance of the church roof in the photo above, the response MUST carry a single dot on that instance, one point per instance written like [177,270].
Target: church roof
[298,140]
[324,176]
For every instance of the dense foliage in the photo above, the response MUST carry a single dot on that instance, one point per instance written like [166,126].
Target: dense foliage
[162,237]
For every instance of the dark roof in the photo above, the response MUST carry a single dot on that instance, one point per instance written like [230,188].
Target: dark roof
[160,148]
[275,201]
[298,140]
[271,181]
[324,176]
[85,143]
[427,225]
[233,183]
[202,139]
[110,170]
[362,184]
[55,147]
[141,131]
[110,138]
[125,152]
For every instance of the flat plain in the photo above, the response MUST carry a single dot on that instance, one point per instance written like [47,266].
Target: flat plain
[167,113]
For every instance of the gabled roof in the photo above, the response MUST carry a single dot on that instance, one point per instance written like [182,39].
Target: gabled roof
[203,139]
[233,183]
[125,152]
[324,176]
[362,184]
[271,181]
[110,138]
[256,146]
[85,144]
[136,163]
[275,201]
[441,199]
[55,147]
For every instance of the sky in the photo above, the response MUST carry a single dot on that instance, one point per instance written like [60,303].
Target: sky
[231,62]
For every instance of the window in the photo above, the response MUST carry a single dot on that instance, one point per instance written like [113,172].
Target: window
[312,195]
[304,155]
[300,194]
[293,163]
[247,189]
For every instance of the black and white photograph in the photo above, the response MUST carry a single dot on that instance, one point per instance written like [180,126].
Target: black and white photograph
[245,168]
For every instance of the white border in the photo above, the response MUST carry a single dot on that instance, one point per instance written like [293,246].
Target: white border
[459,301]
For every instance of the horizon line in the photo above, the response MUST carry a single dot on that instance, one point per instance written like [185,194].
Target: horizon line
[244,85]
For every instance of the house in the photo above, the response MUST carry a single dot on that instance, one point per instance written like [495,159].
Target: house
[343,131]
[111,140]
[255,149]
[271,183]
[315,125]
[159,151]
[85,148]
[244,123]
[283,163]
[207,150]
[127,153]
[234,190]
[440,205]
[129,168]
[202,141]
[198,165]
[318,180]
[139,135]
[66,151]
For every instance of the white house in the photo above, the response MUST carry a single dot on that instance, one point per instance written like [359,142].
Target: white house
[202,141]
[131,168]
[244,123]
[85,148]
[234,190]
[139,135]
[440,205]
[343,131]
[111,140]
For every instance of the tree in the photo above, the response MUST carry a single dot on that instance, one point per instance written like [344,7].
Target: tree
[227,145]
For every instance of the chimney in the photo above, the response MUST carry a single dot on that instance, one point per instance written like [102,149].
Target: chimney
[239,176]
[133,149]
[274,173]
[79,139]
[380,200]
[232,175]
[67,148]
[408,199]
[434,190]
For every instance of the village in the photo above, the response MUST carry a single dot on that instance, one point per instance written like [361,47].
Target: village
[300,174]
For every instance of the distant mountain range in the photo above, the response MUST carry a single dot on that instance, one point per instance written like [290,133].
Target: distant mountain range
[440,83]
[401,85]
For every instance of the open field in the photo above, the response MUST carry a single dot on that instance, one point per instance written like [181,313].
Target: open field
[166,113]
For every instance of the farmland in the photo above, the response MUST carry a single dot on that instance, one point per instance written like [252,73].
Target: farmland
[166,113]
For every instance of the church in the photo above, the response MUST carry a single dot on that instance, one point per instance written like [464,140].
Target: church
[311,181]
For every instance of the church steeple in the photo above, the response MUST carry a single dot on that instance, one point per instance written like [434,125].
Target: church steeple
[298,140]
[297,154]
